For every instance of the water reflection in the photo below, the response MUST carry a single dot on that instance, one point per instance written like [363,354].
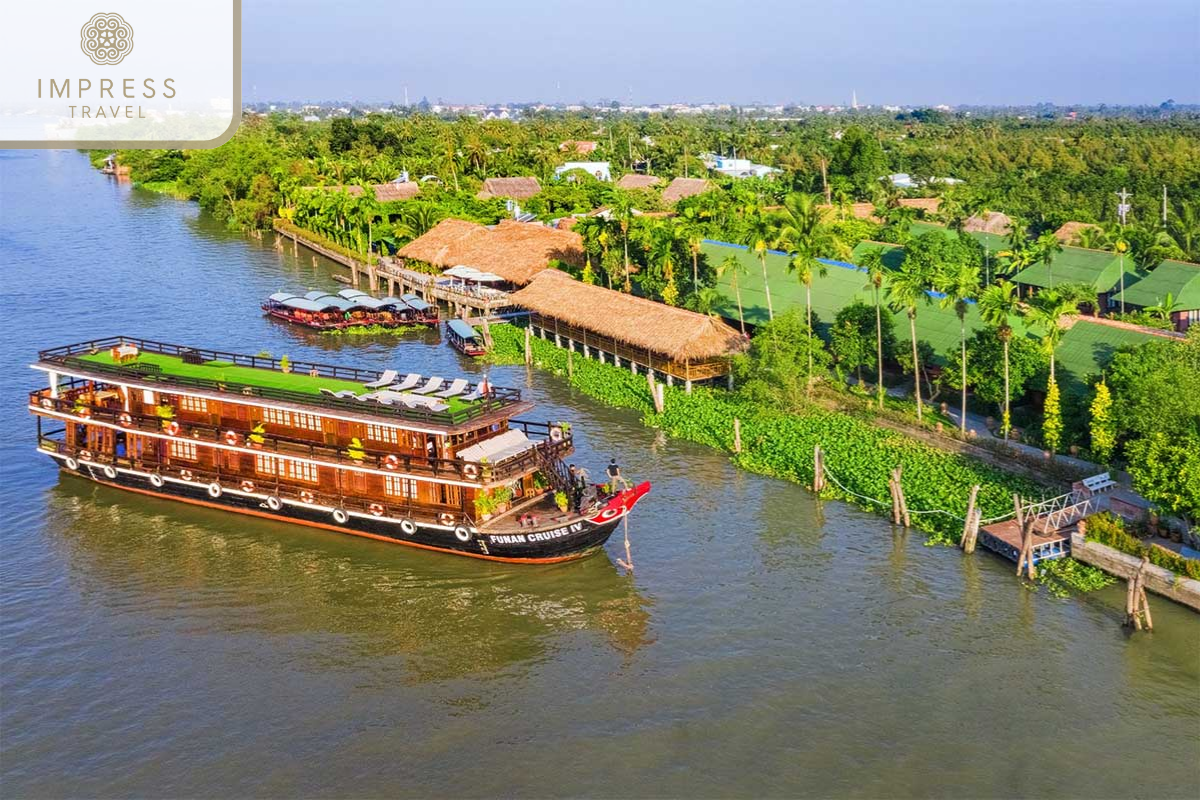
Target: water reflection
[420,616]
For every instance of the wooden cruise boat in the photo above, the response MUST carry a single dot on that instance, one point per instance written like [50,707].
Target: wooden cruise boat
[349,308]
[464,338]
[406,458]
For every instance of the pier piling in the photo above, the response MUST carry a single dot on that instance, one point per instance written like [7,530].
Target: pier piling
[737,435]
[971,525]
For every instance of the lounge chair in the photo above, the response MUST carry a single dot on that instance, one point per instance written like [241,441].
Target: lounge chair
[473,395]
[367,398]
[345,394]
[327,392]
[439,407]
[410,380]
[457,387]
[432,385]
[386,379]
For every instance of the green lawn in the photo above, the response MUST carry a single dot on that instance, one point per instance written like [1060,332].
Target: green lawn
[252,376]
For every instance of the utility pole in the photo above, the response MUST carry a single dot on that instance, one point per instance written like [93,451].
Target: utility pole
[1164,205]
[1123,206]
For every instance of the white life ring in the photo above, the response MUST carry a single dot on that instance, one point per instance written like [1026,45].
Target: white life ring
[248,487]
[84,412]
[306,496]
[125,419]
[274,503]
[408,526]
[72,464]
[172,428]
[340,516]
[231,438]
[556,434]
[214,490]
[446,519]
[186,474]
[462,534]
[110,471]
[375,509]
[47,402]
[470,470]
[86,455]
[156,480]
[391,462]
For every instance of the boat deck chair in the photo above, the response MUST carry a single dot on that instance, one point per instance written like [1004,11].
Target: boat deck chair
[432,385]
[386,379]
[345,394]
[457,387]
[410,380]
[473,395]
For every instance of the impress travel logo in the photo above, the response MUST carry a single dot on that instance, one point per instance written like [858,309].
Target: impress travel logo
[75,79]
[106,38]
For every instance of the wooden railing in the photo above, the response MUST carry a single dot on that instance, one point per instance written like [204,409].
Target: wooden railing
[477,472]
[497,398]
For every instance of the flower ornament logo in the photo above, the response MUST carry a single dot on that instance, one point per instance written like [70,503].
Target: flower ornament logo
[106,38]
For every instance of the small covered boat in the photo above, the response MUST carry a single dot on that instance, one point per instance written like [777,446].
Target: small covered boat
[347,309]
[464,338]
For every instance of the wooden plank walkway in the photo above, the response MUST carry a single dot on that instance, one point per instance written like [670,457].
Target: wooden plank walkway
[1004,538]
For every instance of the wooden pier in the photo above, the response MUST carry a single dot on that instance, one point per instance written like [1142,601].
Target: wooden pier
[1004,538]
[1050,524]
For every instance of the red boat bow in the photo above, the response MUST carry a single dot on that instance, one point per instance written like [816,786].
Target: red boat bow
[620,503]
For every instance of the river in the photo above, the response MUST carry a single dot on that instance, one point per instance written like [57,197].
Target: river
[769,644]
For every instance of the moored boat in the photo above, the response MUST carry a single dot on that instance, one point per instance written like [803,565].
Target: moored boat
[464,338]
[349,308]
[407,458]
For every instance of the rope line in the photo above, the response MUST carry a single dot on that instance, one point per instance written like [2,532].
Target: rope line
[853,493]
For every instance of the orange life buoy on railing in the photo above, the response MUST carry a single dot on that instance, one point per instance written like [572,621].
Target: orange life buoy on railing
[231,438]
[86,455]
[446,519]
[391,462]
[47,402]
[186,474]
[470,470]
[306,496]
[556,434]
[125,419]
[376,509]
[172,429]
[248,486]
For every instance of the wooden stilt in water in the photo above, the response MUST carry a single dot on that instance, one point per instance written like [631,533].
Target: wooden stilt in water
[898,511]
[528,347]
[818,469]
[737,435]
[901,503]
[1137,607]
[570,363]
[971,524]
[656,392]
[627,563]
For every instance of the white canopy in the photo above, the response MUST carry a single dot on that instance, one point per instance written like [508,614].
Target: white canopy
[471,274]
[497,448]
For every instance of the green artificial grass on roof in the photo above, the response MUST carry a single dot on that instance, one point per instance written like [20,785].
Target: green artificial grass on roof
[1179,279]
[250,376]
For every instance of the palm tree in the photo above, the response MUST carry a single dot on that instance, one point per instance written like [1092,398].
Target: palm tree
[735,267]
[1094,238]
[1185,230]
[872,262]
[999,306]
[805,264]
[1045,312]
[760,231]
[665,239]
[1165,308]
[905,291]
[693,232]
[706,300]
[622,211]
[1048,246]
[960,286]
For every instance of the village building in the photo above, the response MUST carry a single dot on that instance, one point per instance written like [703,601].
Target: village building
[684,187]
[989,222]
[509,188]
[635,181]
[384,192]
[514,251]
[600,170]
[1068,233]
[737,167]
[628,331]
[1098,269]
[1173,282]
[582,148]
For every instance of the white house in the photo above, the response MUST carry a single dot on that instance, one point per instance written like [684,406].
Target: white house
[737,167]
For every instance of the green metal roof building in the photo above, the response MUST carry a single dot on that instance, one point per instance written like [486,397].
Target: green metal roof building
[1177,278]
[1096,268]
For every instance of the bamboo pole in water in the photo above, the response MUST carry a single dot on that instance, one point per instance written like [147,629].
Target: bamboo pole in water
[737,435]
[971,525]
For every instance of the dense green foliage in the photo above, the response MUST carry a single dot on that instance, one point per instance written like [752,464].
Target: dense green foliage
[778,443]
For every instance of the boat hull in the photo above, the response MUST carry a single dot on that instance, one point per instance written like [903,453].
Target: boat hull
[547,544]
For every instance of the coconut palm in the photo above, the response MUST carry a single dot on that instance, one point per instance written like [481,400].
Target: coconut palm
[693,233]
[665,240]
[906,290]
[706,301]
[734,267]
[872,262]
[759,232]
[999,306]
[805,264]
[622,211]
[1184,228]
[1094,238]
[1047,247]
[1046,312]
[960,285]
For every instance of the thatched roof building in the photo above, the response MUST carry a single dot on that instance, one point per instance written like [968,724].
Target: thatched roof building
[1069,232]
[676,341]
[384,192]
[516,251]
[684,187]
[989,222]
[509,188]
[581,147]
[929,205]
[636,181]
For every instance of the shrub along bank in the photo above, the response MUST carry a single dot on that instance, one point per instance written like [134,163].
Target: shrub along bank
[859,455]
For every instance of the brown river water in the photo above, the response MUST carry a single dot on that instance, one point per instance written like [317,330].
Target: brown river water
[769,644]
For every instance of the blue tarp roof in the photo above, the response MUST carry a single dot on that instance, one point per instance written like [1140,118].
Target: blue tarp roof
[462,329]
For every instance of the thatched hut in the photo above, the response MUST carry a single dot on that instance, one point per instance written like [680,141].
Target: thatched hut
[384,192]
[684,187]
[636,181]
[509,188]
[927,205]
[1069,232]
[989,222]
[516,251]
[631,331]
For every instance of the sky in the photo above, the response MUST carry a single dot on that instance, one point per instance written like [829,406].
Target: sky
[903,52]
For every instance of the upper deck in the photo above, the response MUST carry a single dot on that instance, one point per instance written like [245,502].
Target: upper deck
[202,371]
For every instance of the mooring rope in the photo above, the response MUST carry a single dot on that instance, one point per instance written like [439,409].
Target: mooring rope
[853,493]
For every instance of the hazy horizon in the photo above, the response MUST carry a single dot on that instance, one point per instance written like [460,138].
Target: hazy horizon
[931,52]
